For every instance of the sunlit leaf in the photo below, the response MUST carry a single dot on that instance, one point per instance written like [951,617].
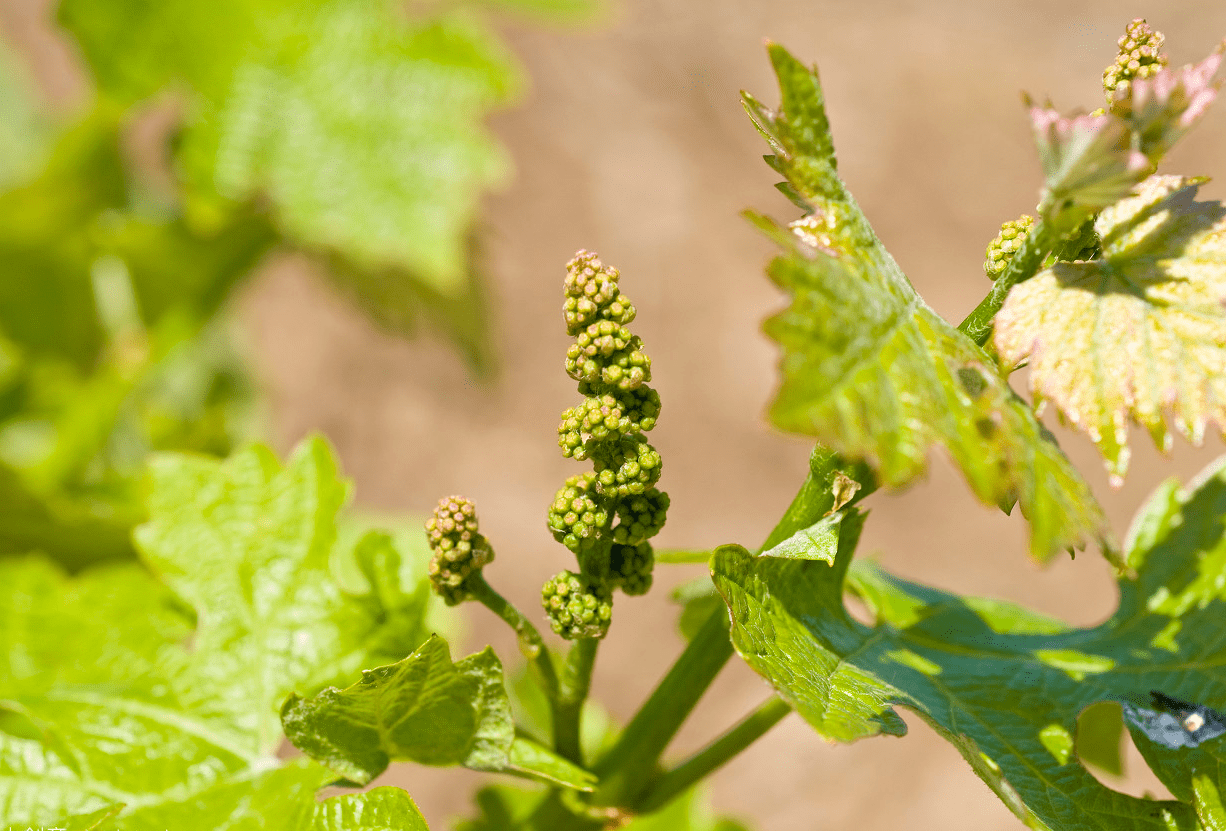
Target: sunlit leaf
[1004,685]
[162,694]
[1138,333]
[874,373]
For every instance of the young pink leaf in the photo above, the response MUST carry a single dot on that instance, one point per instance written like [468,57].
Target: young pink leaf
[1140,331]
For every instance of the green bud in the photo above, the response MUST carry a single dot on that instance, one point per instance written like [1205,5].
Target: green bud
[608,353]
[1081,244]
[577,516]
[640,517]
[459,550]
[627,468]
[1140,56]
[607,418]
[577,609]
[630,567]
[1007,243]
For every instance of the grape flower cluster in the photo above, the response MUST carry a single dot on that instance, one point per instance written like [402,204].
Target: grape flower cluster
[1140,56]
[605,517]
[459,550]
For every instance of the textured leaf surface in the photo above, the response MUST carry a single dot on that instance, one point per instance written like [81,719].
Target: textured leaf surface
[504,808]
[1005,685]
[874,373]
[247,544]
[1137,333]
[101,702]
[360,125]
[423,709]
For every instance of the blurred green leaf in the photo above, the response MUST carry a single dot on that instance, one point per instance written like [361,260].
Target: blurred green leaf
[23,127]
[360,126]
[870,370]
[1006,686]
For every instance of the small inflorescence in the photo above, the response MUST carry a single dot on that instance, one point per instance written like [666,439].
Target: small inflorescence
[1007,243]
[459,549]
[577,608]
[604,517]
[1140,56]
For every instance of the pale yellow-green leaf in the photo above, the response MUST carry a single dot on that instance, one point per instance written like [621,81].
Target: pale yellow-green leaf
[1138,334]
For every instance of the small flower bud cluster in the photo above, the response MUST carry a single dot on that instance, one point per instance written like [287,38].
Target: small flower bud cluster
[1007,243]
[605,517]
[592,294]
[578,515]
[640,518]
[459,550]
[577,608]
[608,353]
[1140,56]
[602,418]
[626,468]
[630,567]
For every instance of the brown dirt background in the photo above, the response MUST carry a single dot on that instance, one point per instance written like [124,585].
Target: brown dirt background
[631,142]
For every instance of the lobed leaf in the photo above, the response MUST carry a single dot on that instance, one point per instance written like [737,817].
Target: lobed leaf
[1137,333]
[875,374]
[424,709]
[102,704]
[1004,685]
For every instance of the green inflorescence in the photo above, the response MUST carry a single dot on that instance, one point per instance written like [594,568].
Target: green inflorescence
[577,608]
[578,516]
[459,549]
[1140,56]
[604,517]
[630,567]
[1008,241]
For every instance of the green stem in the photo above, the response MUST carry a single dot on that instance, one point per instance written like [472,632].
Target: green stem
[575,683]
[1023,266]
[630,765]
[531,644]
[702,763]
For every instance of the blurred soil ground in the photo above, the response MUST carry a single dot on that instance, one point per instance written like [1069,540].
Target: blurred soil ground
[632,143]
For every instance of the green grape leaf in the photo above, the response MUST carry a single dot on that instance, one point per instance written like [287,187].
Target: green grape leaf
[1004,685]
[158,688]
[247,543]
[379,809]
[99,820]
[505,808]
[1137,333]
[870,370]
[423,709]
[360,125]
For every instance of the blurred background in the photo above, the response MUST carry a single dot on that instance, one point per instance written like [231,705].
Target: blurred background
[221,224]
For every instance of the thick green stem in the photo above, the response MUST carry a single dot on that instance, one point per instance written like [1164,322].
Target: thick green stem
[1023,266]
[531,644]
[630,765]
[575,683]
[702,763]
